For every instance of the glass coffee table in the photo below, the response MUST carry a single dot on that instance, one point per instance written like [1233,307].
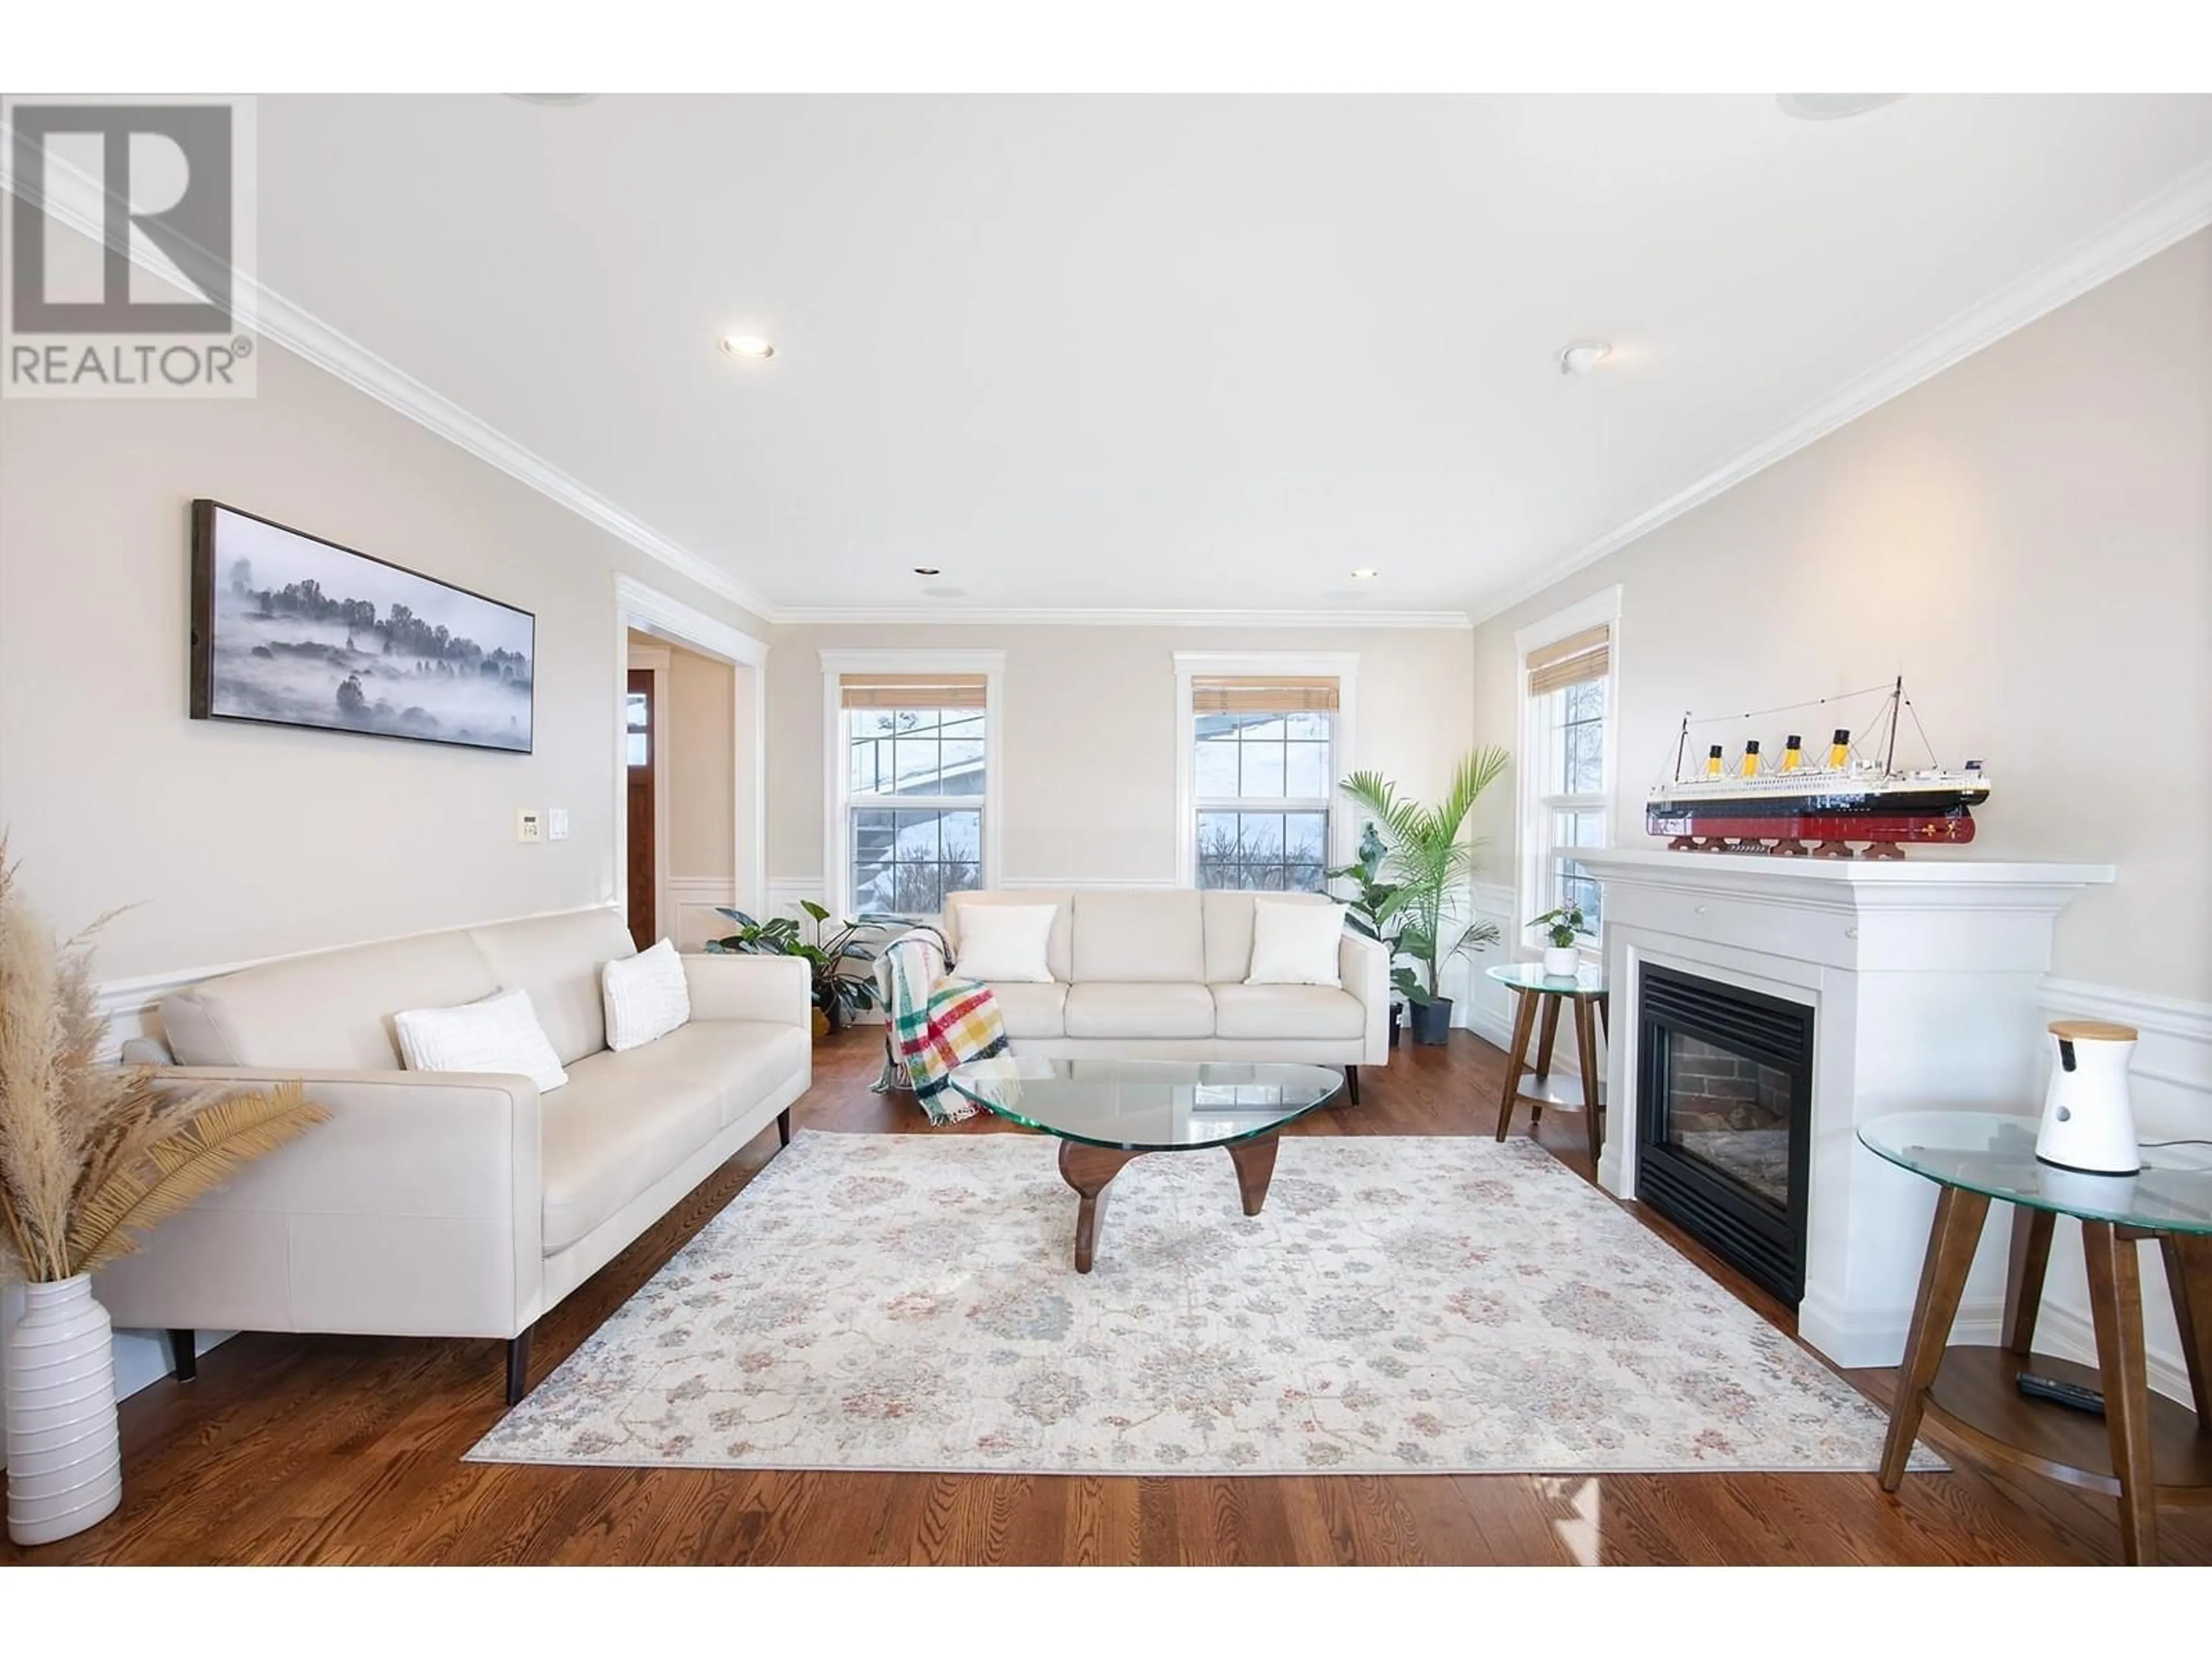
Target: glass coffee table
[1108,1112]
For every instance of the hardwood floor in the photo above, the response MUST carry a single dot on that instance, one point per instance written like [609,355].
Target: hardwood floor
[340,1450]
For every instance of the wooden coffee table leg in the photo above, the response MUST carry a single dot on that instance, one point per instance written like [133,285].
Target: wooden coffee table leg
[1256,1168]
[1088,1169]
[1593,1083]
[2188,1278]
[1951,1240]
[2031,1257]
[2116,1306]
[1524,1021]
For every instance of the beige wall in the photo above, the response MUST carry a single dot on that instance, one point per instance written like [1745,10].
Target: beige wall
[1089,741]
[2027,537]
[702,748]
[240,842]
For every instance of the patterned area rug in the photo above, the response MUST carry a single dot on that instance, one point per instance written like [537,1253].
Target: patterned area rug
[1402,1306]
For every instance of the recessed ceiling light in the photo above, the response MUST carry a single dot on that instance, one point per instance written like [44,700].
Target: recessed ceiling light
[1832,106]
[1581,356]
[1365,574]
[747,345]
[928,570]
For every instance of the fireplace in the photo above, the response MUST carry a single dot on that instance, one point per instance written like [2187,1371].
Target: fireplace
[1724,1097]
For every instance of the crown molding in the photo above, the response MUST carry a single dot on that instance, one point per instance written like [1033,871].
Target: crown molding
[76,200]
[2149,227]
[1018,616]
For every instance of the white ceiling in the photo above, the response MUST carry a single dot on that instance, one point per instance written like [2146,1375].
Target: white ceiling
[1189,353]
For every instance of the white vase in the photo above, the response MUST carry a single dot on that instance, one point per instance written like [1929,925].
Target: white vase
[1560,963]
[65,1459]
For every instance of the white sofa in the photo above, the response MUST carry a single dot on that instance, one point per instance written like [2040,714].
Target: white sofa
[456,1204]
[1148,973]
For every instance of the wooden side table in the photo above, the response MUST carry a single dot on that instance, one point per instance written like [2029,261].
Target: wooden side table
[2145,1449]
[1537,999]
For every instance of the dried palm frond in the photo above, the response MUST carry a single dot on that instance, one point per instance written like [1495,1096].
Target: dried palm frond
[91,1155]
[214,1144]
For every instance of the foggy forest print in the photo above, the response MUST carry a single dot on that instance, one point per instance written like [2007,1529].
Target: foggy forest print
[303,633]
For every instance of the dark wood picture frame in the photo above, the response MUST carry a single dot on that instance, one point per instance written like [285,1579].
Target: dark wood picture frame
[414,724]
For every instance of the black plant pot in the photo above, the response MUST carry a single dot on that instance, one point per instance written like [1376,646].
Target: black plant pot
[1397,1013]
[1432,1022]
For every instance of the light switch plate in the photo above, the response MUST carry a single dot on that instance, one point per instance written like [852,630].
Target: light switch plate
[556,823]
[529,826]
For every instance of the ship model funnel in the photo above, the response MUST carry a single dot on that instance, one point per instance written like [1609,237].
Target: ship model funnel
[1793,753]
[1713,761]
[1751,758]
[1839,749]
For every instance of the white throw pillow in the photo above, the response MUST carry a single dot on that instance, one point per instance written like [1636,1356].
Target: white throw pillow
[501,1033]
[1295,944]
[646,997]
[1005,942]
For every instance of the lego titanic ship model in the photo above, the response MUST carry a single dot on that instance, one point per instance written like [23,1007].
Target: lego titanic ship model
[1778,809]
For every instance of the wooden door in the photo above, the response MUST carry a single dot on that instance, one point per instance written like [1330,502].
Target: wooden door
[644,925]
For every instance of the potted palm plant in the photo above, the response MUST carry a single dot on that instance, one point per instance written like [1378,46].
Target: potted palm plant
[91,1156]
[1372,907]
[1426,857]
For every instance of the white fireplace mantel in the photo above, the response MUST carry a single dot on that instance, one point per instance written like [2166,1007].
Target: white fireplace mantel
[1921,974]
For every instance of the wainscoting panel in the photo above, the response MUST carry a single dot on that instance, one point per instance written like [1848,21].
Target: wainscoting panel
[692,903]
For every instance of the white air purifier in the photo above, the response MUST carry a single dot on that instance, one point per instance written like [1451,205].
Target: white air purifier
[2088,1121]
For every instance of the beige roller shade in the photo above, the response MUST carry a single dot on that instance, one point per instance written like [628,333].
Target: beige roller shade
[911,690]
[1584,656]
[1262,694]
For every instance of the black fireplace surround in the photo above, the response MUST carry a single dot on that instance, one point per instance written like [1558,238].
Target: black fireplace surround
[1723,1113]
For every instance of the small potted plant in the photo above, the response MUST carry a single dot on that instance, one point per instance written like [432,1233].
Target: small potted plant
[1561,928]
[841,992]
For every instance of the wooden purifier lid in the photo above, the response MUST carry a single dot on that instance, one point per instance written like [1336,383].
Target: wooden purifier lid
[2091,1031]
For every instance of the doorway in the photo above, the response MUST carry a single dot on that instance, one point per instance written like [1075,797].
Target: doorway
[642,752]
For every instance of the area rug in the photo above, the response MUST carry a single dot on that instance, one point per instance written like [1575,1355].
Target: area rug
[1400,1306]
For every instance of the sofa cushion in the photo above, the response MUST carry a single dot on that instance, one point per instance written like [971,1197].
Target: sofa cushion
[627,1120]
[1229,925]
[1130,937]
[557,960]
[1057,954]
[1105,1008]
[330,1011]
[1287,1010]
[1032,1011]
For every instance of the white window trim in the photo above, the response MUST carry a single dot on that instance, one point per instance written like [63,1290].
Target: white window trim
[836,793]
[1532,830]
[1191,665]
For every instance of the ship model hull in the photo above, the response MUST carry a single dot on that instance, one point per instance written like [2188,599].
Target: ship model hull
[1747,825]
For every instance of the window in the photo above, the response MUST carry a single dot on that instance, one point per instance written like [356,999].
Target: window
[1259,773]
[1567,801]
[638,718]
[911,779]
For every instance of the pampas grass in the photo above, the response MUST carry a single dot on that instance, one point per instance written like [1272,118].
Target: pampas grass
[92,1155]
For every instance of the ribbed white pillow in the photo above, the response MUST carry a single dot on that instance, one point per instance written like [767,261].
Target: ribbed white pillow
[1295,944]
[1005,942]
[501,1033]
[645,995]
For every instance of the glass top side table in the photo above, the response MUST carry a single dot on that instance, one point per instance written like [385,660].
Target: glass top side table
[1537,996]
[2147,1449]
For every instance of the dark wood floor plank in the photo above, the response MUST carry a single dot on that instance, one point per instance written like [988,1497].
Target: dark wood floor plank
[347,1450]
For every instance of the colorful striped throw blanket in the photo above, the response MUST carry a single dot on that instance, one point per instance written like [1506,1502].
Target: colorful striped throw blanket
[936,1023]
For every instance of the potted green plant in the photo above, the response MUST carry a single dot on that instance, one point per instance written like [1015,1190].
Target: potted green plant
[1371,910]
[1562,929]
[840,992]
[1426,859]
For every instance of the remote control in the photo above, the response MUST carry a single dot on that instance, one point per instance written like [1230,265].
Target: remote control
[2079,1396]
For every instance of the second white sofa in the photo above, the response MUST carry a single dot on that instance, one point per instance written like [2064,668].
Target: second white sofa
[1143,974]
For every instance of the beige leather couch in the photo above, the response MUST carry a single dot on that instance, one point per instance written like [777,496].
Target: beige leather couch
[457,1203]
[1161,974]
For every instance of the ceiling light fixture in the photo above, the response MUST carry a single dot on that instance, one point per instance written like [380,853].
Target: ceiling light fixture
[1365,574]
[1832,106]
[747,345]
[1581,356]
[928,570]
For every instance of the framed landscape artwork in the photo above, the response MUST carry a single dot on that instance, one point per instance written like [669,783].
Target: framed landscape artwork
[289,630]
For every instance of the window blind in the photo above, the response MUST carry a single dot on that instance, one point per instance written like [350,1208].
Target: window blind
[911,690]
[1579,657]
[1262,694]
